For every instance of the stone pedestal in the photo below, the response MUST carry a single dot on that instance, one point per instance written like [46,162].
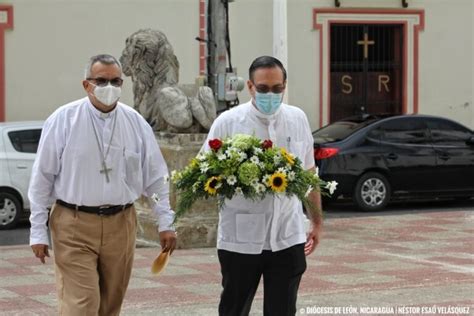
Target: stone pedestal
[198,227]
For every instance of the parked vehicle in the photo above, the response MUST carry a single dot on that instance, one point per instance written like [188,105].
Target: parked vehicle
[18,146]
[377,158]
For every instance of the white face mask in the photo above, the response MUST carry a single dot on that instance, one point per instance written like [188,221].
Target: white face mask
[107,95]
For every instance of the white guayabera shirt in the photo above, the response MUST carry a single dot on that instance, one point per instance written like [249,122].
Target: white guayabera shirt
[275,223]
[68,163]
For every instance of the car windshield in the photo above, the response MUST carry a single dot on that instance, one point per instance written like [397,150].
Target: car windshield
[338,130]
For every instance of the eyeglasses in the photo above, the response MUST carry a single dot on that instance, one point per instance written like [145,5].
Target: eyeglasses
[102,82]
[261,88]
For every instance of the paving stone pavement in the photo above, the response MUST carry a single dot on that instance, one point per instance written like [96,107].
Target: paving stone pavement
[400,264]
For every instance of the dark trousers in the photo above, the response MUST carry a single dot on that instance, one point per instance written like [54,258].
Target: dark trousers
[281,270]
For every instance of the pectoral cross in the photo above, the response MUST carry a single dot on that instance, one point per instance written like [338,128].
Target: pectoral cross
[106,171]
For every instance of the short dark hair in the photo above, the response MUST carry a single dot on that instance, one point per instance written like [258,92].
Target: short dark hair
[266,62]
[105,59]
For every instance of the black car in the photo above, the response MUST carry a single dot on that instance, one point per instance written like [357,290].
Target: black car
[376,158]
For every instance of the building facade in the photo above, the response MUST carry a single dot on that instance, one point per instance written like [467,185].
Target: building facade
[343,57]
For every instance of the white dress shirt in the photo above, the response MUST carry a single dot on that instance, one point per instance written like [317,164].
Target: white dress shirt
[276,222]
[68,163]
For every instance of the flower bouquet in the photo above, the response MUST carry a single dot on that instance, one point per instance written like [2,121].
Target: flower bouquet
[248,166]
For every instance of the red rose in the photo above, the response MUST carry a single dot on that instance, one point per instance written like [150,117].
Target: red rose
[215,144]
[267,144]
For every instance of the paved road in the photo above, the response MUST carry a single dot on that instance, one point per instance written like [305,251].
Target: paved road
[20,235]
[17,236]
[404,261]
[346,209]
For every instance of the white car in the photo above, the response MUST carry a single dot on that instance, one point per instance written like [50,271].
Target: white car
[18,146]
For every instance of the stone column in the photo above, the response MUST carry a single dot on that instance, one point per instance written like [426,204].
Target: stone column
[198,227]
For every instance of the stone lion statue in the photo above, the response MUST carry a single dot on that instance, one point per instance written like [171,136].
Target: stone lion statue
[149,59]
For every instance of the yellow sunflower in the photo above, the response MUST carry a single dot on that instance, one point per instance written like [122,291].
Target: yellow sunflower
[288,157]
[211,184]
[278,182]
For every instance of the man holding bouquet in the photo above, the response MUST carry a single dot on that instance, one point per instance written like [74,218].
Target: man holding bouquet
[266,237]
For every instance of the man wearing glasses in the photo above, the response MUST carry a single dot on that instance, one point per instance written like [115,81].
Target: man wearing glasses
[266,238]
[95,158]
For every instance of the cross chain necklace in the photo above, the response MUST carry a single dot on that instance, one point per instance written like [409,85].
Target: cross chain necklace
[104,170]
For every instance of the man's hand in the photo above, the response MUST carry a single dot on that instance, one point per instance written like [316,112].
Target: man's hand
[312,240]
[40,251]
[315,214]
[168,240]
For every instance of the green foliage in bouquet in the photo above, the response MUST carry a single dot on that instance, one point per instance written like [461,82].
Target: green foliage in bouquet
[247,166]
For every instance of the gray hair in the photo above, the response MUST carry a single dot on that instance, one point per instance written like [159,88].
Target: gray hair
[105,59]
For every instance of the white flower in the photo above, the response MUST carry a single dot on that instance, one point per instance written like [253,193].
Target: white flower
[259,188]
[331,186]
[221,156]
[201,157]
[310,189]
[254,182]
[230,151]
[265,179]
[276,159]
[257,151]
[174,175]
[242,156]
[255,160]
[282,170]
[238,190]
[231,180]
[291,175]
[204,167]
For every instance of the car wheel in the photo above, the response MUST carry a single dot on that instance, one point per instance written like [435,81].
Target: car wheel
[372,192]
[10,210]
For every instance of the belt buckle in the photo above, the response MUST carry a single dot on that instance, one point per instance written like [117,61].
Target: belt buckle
[101,209]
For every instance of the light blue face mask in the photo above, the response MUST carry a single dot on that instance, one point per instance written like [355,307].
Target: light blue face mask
[268,103]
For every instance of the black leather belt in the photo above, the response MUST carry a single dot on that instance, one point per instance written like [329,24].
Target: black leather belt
[99,210]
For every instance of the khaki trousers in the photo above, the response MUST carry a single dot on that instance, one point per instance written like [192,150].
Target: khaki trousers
[93,257]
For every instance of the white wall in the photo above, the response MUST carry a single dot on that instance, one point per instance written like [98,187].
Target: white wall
[52,40]
[303,57]
[48,48]
[445,56]
[446,60]
[251,34]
